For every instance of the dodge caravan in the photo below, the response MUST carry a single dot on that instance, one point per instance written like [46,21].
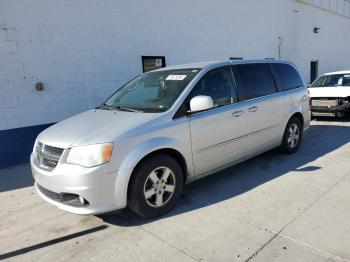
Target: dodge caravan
[166,128]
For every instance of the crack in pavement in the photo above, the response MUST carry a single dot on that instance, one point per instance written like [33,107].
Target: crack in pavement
[314,248]
[307,208]
[171,245]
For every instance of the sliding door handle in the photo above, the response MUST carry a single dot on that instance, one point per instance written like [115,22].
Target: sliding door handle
[253,109]
[238,113]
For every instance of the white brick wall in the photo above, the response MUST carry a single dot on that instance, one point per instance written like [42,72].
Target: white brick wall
[82,50]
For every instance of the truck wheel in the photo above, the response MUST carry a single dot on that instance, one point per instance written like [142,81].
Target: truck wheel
[292,136]
[155,186]
[339,114]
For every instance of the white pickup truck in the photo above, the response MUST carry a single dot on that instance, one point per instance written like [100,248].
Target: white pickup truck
[330,94]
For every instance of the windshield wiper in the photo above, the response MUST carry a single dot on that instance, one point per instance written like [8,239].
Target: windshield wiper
[105,107]
[121,108]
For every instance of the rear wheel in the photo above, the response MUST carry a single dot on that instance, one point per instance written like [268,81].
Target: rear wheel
[292,136]
[155,186]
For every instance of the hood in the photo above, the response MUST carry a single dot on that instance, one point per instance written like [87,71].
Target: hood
[90,127]
[335,91]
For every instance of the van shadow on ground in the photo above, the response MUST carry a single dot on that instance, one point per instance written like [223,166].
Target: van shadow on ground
[319,140]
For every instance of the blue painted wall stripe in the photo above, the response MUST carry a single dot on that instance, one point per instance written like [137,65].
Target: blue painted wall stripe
[17,144]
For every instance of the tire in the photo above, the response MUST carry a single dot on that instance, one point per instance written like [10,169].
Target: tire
[149,199]
[287,146]
[339,114]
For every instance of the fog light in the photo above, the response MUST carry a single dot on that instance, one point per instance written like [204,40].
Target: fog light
[82,200]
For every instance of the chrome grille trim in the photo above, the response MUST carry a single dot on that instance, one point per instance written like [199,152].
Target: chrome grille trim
[54,151]
[48,156]
[324,102]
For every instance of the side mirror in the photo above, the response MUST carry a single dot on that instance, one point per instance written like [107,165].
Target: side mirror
[201,103]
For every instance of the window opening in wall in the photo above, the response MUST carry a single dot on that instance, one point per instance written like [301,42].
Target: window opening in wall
[150,63]
[313,71]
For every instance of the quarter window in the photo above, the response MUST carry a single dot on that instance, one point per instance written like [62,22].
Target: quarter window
[257,80]
[219,85]
[288,76]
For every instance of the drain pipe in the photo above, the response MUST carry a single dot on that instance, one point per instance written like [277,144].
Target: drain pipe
[280,47]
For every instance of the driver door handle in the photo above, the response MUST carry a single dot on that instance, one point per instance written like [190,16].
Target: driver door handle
[253,109]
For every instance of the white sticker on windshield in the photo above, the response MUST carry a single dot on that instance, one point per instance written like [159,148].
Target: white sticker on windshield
[176,77]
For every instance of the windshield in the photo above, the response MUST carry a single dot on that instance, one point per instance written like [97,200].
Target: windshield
[332,80]
[151,92]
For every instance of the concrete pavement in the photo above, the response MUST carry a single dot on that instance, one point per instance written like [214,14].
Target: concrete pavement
[271,208]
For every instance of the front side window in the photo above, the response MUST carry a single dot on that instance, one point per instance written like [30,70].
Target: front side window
[257,80]
[151,92]
[332,80]
[288,76]
[219,85]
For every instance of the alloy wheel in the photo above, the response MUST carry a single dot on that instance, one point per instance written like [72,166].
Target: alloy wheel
[159,187]
[293,135]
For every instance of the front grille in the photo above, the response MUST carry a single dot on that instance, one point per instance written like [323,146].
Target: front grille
[53,150]
[324,102]
[48,156]
[49,162]
[64,198]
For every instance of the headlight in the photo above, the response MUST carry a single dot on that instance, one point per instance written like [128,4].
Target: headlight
[37,147]
[91,155]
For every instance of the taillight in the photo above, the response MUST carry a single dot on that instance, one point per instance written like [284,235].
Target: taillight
[309,96]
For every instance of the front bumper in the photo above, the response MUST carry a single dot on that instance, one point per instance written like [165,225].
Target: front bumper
[328,108]
[96,185]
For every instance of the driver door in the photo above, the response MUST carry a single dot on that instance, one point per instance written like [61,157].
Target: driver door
[217,134]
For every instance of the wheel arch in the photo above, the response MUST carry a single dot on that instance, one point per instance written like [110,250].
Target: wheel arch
[296,112]
[299,116]
[139,154]
[175,154]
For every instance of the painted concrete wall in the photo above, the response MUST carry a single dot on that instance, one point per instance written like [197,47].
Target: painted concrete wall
[82,50]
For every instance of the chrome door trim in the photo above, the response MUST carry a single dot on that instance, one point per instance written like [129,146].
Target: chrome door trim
[236,139]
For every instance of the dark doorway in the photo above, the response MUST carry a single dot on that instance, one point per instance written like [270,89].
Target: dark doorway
[150,63]
[313,71]
[236,58]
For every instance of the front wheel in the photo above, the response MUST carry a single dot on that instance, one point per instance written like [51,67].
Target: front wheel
[292,136]
[155,186]
[339,114]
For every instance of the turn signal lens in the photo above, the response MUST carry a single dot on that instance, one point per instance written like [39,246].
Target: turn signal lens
[107,152]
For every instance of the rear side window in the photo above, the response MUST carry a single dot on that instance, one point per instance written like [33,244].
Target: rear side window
[257,80]
[289,77]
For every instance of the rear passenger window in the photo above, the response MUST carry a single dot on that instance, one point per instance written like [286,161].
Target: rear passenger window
[257,80]
[288,76]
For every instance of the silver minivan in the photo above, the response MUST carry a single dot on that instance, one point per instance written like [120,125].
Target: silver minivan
[166,128]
